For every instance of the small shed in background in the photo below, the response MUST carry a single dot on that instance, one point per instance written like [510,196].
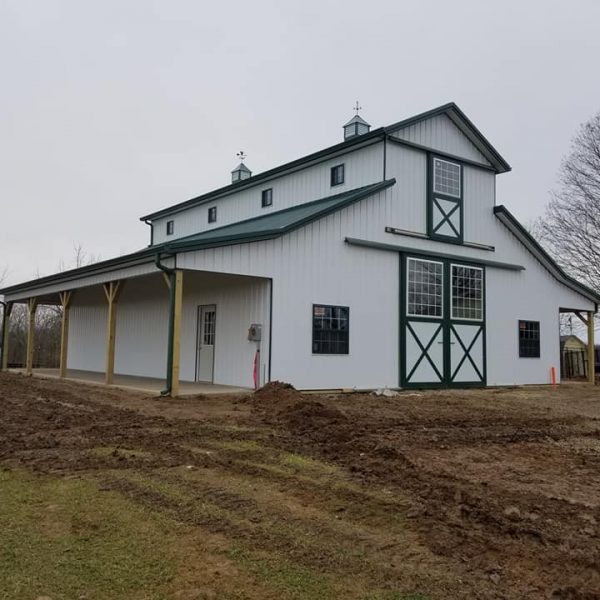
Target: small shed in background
[573,357]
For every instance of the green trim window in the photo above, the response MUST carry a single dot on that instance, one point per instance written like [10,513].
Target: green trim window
[212,214]
[467,293]
[266,198]
[529,339]
[424,290]
[331,325]
[445,200]
[170,227]
[337,175]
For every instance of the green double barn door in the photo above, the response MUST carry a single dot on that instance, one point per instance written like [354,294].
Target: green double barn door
[442,323]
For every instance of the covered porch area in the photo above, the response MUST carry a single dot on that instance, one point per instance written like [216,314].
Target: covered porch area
[163,330]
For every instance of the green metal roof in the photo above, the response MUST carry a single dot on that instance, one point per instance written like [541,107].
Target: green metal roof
[265,227]
[276,223]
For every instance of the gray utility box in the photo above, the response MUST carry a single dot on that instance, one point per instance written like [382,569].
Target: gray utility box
[255,332]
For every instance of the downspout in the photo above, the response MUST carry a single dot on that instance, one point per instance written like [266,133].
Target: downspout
[149,223]
[4,324]
[171,274]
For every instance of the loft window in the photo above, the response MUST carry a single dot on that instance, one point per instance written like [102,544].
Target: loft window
[424,290]
[467,293]
[212,214]
[337,175]
[267,198]
[445,201]
[170,227]
[446,178]
[529,339]
[330,329]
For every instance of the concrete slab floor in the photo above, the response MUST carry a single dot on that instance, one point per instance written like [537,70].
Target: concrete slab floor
[150,385]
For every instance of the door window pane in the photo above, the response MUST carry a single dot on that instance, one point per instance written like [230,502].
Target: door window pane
[467,293]
[446,178]
[209,328]
[424,288]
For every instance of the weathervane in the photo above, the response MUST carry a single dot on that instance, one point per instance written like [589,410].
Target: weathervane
[357,107]
[242,155]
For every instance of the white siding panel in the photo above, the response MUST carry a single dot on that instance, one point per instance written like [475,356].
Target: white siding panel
[87,330]
[440,133]
[362,167]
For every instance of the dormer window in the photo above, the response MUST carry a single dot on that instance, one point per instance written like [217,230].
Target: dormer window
[212,214]
[445,200]
[337,175]
[170,227]
[267,198]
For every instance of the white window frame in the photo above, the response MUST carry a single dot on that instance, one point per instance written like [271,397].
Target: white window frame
[460,183]
[423,260]
[452,317]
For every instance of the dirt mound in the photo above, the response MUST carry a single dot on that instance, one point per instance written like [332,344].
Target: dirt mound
[276,392]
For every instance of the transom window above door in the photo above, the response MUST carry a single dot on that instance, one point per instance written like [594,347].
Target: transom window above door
[425,285]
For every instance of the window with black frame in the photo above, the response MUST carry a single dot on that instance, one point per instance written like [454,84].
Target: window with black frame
[529,339]
[337,175]
[331,326]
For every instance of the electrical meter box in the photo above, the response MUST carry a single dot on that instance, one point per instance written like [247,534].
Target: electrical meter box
[255,332]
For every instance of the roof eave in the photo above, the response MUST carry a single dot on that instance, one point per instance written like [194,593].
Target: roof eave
[510,221]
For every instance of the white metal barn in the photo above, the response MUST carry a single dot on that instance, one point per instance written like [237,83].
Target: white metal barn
[382,261]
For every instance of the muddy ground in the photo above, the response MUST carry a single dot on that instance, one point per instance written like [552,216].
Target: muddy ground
[447,494]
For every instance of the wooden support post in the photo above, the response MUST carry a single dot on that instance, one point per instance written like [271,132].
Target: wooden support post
[65,301]
[177,333]
[5,334]
[112,291]
[32,304]
[591,348]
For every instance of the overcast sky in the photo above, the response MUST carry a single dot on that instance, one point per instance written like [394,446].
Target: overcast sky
[110,109]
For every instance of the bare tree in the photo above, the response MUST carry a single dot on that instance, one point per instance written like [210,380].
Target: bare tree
[570,227]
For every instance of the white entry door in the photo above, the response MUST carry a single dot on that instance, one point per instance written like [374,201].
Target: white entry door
[205,356]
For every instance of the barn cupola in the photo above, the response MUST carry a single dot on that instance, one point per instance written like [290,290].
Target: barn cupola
[241,171]
[356,125]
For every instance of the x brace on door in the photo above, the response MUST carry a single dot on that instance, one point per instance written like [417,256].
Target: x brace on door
[424,351]
[446,217]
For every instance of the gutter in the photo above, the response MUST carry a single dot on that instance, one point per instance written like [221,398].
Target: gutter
[171,274]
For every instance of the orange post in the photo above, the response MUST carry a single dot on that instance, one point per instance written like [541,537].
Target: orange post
[553,375]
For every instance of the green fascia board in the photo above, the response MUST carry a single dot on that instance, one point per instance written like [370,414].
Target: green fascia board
[371,137]
[278,223]
[465,124]
[513,225]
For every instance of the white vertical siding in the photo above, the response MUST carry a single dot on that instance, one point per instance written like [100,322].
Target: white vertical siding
[362,167]
[440,133]
[87,330]
[239,301]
